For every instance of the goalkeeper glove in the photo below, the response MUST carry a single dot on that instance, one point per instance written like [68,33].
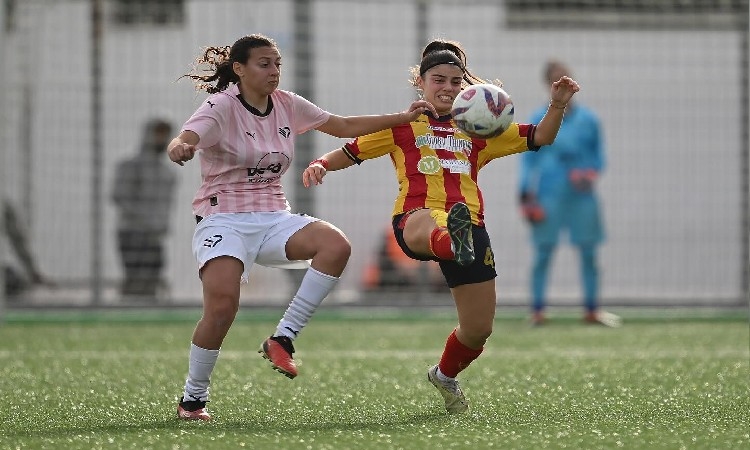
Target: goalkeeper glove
[583,179]
[531,210]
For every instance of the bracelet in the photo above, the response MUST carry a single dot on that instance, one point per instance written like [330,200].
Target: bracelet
[552,105]
[319,161]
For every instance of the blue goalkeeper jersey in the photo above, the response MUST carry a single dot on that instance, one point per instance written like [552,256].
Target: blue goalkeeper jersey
[546,173]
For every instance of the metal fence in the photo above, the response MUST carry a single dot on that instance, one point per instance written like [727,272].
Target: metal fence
[669,80]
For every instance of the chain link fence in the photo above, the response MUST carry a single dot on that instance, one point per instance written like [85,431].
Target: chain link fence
[668,78]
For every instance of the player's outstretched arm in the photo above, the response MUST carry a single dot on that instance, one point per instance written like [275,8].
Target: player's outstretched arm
[333,160]
[354,126]
[560,94]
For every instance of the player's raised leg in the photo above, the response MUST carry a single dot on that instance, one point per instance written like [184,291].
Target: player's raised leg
[329,250]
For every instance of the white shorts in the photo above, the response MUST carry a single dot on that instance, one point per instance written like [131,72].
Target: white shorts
[254,237]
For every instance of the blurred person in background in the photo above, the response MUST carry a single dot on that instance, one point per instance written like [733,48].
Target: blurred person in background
[244,136]
[143,192]
[439,212]
[557,193]
[391,270]
[21,270]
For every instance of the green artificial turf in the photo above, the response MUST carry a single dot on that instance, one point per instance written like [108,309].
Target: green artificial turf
[652,384]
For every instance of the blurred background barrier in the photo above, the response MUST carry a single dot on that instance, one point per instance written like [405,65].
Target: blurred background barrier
[668,78]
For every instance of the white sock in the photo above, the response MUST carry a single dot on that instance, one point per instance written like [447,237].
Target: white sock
[314,288]
[201,365]
[443,377]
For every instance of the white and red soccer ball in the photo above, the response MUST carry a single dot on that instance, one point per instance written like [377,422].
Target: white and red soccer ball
[483,111]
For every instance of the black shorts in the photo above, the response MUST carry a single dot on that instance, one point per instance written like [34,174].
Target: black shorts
[482,269]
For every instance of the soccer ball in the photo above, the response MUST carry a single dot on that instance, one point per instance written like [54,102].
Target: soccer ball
[483,111]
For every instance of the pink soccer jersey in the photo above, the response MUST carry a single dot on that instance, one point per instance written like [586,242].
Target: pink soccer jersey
[243,154]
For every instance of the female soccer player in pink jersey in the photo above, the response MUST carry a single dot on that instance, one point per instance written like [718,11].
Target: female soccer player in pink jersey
[439,212]
[244,137]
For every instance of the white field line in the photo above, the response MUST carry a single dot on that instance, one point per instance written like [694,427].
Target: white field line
[705,353]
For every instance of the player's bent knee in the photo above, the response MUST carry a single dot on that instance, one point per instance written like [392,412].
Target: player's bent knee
[221,308]
[336,244]
[343,247]
[482,334]
[477,335]
[338,250]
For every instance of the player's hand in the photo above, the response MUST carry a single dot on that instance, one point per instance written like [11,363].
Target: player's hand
[563,89]
[314,173]
[417,108]
[582,179]
[531,210]
[181,152]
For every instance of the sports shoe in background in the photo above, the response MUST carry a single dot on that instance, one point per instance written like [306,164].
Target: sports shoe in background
[603,318]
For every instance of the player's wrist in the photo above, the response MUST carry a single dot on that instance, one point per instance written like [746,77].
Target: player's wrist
[557,104]
[320,162]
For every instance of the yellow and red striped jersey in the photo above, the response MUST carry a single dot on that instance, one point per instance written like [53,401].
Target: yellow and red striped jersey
[436,163]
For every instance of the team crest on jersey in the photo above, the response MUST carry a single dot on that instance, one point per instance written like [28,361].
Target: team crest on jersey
[429,165]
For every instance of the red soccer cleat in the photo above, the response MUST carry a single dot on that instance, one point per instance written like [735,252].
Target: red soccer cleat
[278,350]
[538,319]
[193,410]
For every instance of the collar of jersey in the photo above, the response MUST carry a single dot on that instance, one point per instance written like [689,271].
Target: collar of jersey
[254,110]
[443,118]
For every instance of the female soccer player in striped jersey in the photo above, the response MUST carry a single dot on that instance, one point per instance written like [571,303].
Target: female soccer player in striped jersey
[439,212]
[244,137]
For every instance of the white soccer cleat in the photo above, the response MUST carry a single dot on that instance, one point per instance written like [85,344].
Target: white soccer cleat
[603,318]
[455,402]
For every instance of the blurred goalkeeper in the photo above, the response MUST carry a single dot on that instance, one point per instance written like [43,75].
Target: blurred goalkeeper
[558,193]
[20,267]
